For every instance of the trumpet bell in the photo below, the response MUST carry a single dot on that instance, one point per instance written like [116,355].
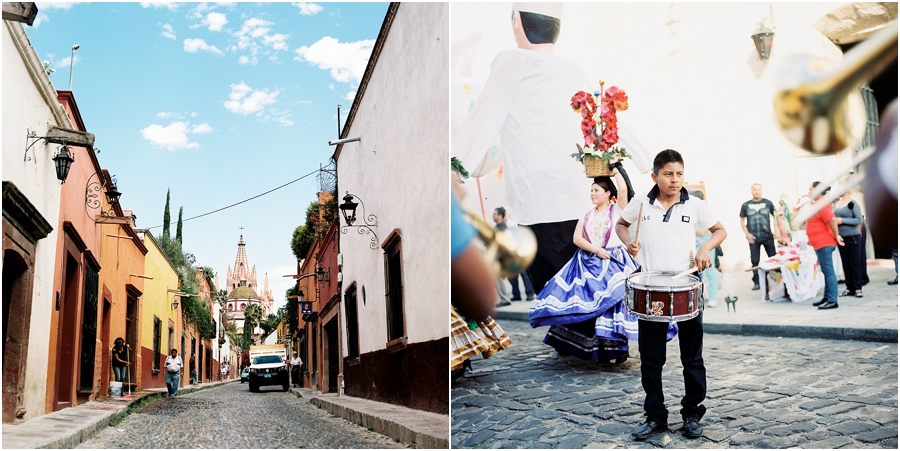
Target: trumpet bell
[812,115]
[519,248]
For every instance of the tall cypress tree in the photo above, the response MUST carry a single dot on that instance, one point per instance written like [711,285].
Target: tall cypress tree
[166,218]
[178,227]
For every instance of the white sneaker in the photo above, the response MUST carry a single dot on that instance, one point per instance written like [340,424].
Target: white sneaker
[712,303]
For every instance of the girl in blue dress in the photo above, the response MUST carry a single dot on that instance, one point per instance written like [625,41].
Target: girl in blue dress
[583,303]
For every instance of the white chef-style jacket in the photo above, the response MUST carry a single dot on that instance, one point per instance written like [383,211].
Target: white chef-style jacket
[527,101]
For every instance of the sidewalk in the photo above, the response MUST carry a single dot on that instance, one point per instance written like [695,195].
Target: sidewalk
[870,318]
[69,427]
[414,428]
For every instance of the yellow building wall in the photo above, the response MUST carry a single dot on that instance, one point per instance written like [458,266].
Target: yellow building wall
[157,303]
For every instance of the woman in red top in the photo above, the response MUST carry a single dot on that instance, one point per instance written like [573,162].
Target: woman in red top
[822,231]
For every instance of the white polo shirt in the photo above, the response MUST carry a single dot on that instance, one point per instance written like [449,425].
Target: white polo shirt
[667,237]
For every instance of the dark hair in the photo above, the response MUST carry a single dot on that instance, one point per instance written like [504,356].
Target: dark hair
[607,184]
[665,157]
[540,29]
[500,211]
[817,183]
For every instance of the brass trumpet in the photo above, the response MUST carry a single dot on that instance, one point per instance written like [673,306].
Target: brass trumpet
[821,111]
[509,252]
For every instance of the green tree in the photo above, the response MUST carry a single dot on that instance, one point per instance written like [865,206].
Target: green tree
[305,234]
[253,317]
[270,324]
[166,217]
[178,228]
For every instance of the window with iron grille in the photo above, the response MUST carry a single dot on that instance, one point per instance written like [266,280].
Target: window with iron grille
[393,285]
[352,323]
[131,324]
[157,332]
[89,329]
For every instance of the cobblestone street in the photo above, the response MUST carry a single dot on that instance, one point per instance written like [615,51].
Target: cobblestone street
[230,416]
[763,392]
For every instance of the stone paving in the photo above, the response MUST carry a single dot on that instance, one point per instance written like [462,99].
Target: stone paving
[763,392]
[229,417]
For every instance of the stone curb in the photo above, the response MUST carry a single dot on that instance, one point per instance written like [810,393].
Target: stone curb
[410,435]
[767,330]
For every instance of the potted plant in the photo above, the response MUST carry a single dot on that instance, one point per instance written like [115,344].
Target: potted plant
[599,126]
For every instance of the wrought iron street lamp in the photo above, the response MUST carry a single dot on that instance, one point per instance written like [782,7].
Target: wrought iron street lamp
[348,211]
[63,161]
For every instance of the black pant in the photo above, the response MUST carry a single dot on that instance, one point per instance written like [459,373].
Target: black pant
[652,345]
[850,261]
[554,249]
[769,244]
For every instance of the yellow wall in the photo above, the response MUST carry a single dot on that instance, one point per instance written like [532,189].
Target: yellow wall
[157,302]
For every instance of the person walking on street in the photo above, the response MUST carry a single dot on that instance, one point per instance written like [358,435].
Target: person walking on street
[822,231]
[755,220]
[174,366]
[120,359]
[848,216]
[296,363]
[669,216]
[500,217]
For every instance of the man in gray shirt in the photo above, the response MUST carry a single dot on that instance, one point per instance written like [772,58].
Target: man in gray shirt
[755,220]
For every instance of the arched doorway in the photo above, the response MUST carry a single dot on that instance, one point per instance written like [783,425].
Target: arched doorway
[17,279]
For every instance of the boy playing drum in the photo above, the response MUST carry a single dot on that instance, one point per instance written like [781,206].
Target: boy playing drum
[668,216]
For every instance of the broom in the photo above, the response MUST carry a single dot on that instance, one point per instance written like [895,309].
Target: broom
[128,369]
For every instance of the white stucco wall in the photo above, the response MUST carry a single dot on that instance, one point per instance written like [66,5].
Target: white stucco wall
[694,83]
[27,106]
[400,170]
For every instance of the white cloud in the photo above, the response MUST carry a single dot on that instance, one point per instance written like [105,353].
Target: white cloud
[174,136]
[164,114]
[169,5]
[192,45]
[351,95]
[202,128]
[56,5]
[255,34]
[168,31]
[39,19]
[308,9]
[65,61]
[246,100]
[346,60]
[215,21]
[282,117]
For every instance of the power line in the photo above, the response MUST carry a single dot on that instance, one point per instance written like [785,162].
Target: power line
[245,200]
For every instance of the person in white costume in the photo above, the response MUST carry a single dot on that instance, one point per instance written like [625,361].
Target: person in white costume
[526,100]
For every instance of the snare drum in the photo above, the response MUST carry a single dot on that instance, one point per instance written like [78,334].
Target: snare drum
[654,296]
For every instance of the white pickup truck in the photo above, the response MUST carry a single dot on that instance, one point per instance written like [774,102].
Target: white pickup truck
[268,366]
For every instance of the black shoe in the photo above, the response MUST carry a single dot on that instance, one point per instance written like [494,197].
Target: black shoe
[755,287]
[646,429]
[893,282]
[816,304]
[829,305]
[692,428]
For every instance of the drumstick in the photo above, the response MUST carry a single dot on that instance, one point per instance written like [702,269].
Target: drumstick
[682,274]
[637,232]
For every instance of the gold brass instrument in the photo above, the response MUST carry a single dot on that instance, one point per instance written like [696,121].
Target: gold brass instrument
[821,110]
[508,252]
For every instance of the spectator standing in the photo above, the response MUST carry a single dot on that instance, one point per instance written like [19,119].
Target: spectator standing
[755,220]
[296,363]
[822,231]
[894,282]
[500,217]
[848,216]
[119,359]
[193,369]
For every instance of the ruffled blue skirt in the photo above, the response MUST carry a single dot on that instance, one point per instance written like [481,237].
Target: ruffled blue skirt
[584,305]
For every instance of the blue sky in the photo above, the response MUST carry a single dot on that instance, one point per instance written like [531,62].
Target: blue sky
[218,102]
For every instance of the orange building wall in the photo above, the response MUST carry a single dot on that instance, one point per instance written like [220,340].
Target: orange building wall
[72,209]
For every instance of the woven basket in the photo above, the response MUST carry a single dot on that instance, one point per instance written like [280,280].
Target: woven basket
[596,167]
